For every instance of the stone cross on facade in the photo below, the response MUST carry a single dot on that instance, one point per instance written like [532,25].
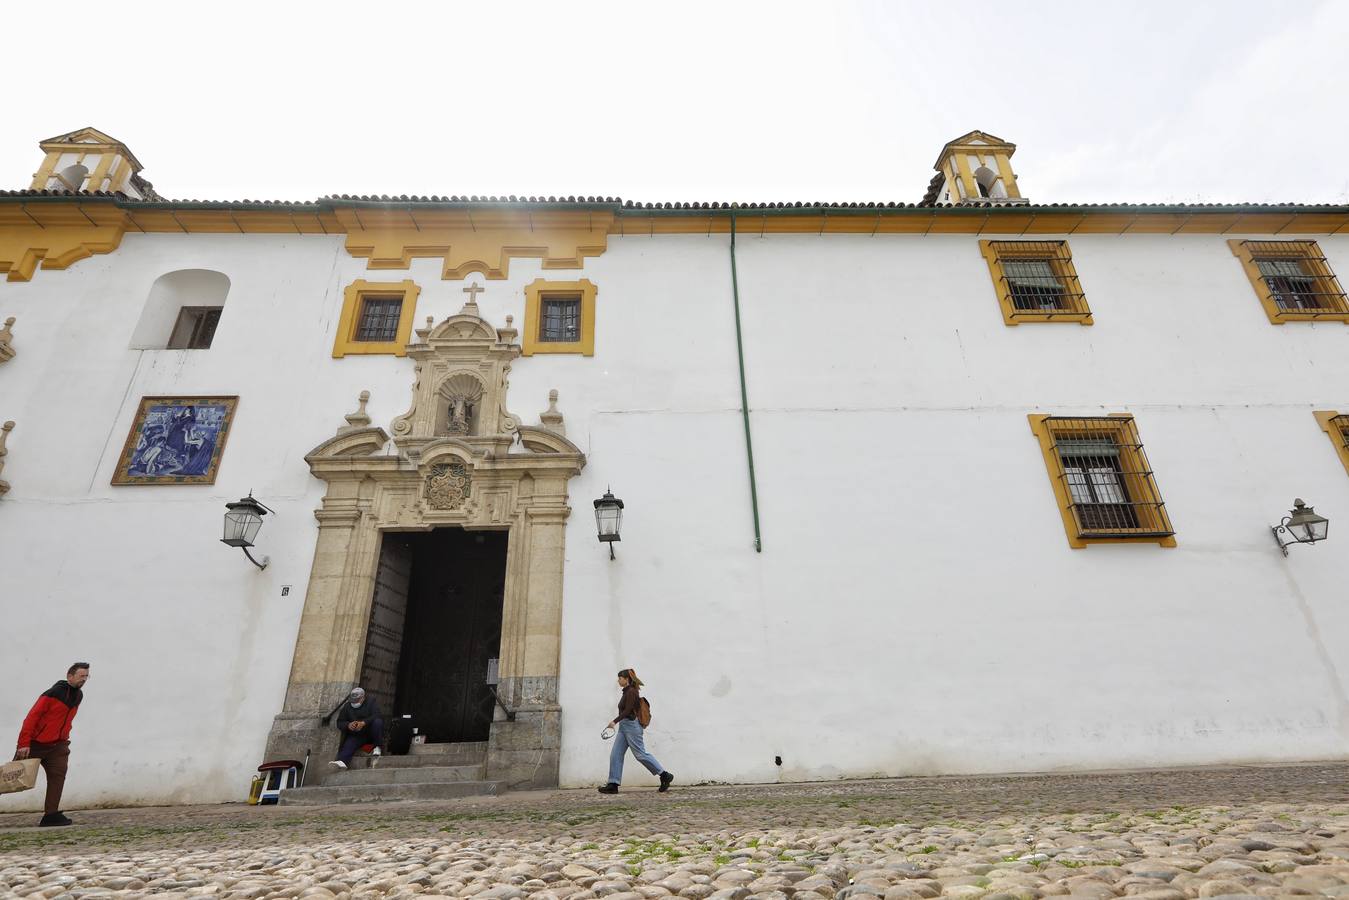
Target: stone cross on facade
[473,290]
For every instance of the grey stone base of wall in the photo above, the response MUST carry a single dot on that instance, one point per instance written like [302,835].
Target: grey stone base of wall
[299,726]
[526,753]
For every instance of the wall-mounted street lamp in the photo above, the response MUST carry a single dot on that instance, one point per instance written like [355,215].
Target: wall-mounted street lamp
[608,519]
[1302,525]
[242,522]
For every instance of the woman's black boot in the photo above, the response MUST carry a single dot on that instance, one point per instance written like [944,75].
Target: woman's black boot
[609,788]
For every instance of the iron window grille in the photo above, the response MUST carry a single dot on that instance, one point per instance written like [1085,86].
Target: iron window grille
[1340,428]
[1295,280]
[379,319]
[1036,281]
[1105,476]
[195,328]
[560,319]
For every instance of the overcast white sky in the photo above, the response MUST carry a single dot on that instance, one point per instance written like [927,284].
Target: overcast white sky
[747,101]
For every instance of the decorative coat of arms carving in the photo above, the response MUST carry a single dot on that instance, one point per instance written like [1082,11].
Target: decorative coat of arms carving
[448,486]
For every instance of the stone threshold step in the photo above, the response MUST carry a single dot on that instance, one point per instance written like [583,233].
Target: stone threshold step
[406,775]
[468,749]
[372,793]
[388,761]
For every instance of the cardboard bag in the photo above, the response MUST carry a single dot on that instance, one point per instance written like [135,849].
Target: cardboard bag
[19,775]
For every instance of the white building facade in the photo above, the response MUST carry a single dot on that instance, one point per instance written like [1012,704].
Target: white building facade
[945,580]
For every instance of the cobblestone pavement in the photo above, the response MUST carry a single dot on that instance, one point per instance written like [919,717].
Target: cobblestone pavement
[1161,835]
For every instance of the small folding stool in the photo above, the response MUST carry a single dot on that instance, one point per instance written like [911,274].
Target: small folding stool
[277,776]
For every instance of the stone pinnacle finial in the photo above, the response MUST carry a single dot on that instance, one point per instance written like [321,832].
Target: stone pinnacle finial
[4,434]
[7,340]
[551,418]
[508,334]
[358,419]
[424,333]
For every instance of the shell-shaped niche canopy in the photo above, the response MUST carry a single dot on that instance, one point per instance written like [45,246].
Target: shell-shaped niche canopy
[460,411]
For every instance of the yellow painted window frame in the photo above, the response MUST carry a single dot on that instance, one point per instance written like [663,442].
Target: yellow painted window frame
[1309,251]
[1336,426]
[994,252]
[1132,459]
[538,291]
[353,298]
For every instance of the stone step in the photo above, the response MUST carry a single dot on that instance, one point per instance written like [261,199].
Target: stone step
[469,753]
[388,761]
[371,793]
[405,775]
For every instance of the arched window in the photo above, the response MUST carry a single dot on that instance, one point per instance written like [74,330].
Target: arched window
[987,182]
[182,311]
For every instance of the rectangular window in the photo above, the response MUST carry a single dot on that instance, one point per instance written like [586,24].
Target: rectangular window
[1293,280]
[1102,480]
[560,319]
[195,328]
[379,318]
[376,318]
[1035,281]
[1336,425]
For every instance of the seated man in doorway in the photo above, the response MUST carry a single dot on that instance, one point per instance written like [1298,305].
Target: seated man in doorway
[360,724]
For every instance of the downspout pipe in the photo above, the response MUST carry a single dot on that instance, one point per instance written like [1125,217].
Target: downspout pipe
[744,395]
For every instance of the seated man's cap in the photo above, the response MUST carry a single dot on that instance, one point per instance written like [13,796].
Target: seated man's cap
[357,693]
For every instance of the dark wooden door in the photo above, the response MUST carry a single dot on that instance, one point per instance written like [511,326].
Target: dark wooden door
[388,611]
[453,628]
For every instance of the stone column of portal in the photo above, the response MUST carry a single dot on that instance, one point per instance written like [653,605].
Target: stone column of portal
[331,639]
[526,753]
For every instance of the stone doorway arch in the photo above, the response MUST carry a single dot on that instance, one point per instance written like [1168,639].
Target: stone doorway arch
[458,457]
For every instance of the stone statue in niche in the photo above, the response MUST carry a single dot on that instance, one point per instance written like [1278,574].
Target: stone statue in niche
[462,396]
[461,415]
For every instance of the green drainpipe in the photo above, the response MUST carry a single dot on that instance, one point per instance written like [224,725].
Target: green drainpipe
[744,395]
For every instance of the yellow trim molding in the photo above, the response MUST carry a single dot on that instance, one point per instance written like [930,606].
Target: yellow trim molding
[1060,259]
[1136,476]
[1336,426]
[1307,252]
[61,238]
[539,290]
[354,297]
[482,241]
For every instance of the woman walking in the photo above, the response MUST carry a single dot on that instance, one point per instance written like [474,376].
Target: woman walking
[629,734]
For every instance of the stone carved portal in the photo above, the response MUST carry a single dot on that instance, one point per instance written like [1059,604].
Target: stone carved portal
[457,458]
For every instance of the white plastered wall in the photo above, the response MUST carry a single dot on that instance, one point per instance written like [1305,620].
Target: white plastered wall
[916,607]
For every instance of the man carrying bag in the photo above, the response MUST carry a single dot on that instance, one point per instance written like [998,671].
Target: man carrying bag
[45,736]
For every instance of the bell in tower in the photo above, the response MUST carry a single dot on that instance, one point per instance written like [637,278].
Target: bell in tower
[975,168]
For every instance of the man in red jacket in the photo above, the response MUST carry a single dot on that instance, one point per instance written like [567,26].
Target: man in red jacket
[46,736]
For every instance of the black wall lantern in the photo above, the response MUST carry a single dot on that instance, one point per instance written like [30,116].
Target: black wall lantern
[1302,525]
[242,523]
[608,519]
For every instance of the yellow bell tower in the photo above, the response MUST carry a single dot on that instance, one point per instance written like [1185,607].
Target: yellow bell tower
[975,168]
[89,160]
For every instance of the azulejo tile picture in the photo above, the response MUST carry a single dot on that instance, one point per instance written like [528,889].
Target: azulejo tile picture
[176,440]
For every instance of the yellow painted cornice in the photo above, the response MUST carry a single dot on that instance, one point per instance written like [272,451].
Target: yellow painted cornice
[56,231]
[468,241]
[57,238]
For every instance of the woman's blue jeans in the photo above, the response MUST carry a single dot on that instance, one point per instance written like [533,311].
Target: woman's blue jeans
[630,735]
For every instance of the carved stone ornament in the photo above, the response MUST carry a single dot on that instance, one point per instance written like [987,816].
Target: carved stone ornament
[448,485]
[462,366]
[7,341]
[458,459]
[4,435]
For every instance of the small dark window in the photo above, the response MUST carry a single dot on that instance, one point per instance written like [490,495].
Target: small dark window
[1095,481]
[1290,284]
[1033,284]
[560,320]
[195,328]
[379,319]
